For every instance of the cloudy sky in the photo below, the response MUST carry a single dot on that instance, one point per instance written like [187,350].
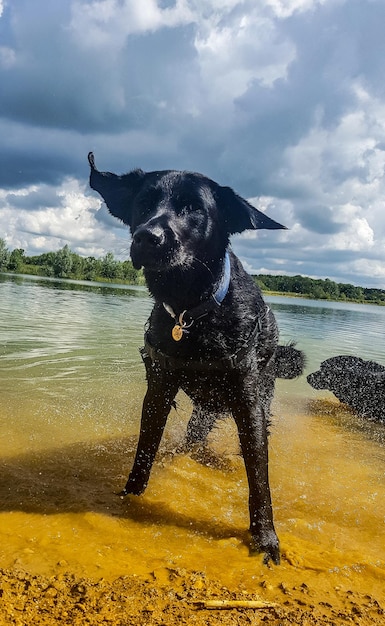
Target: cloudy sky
[284,100]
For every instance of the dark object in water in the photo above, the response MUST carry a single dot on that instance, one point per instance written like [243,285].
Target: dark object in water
[358,383]
[289,362]
[210,333]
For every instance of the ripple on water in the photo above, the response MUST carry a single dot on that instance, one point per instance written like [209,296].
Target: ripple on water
[72,385]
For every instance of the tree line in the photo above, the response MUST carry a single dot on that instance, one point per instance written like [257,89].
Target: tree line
[319,289]
[67,264]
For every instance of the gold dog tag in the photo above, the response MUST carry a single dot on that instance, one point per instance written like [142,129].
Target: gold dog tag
[177,332]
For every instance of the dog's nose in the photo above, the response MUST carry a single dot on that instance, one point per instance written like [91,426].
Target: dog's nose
[150,243]
[148,237]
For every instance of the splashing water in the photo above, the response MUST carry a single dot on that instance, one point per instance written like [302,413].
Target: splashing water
[72,385]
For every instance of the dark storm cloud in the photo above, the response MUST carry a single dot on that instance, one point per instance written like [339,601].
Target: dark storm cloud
[276,99]
[59,82]
[319,219]
[50,84]
[33,155]
[331,52]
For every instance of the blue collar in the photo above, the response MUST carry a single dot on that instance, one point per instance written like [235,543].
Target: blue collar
[187,318]
[223,286]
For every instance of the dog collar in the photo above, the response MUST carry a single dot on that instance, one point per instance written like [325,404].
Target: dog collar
[186,319]
[225,364]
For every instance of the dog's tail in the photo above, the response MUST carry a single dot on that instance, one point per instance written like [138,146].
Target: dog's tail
[289,362]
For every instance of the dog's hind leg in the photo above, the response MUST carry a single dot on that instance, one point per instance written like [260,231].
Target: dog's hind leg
[199,426]
[252,426]
[157,403]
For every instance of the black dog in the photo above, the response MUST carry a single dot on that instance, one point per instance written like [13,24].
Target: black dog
[210,332]
[288,363]
[358,383]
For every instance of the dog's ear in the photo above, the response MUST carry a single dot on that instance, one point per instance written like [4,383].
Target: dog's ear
[117,191]
[240,215]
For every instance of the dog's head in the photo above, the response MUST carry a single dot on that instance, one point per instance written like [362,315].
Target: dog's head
[175,217]
[336,372]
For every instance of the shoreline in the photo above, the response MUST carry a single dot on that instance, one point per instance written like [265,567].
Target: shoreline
[174,597]
[117,283]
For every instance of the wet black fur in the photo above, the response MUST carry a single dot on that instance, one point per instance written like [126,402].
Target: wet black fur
[180,224]
[355,382]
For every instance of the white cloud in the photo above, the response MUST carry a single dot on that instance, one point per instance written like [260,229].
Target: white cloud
[101,23]
[342,166]
[357,236]
[240,50]
[281,99]
[49,228]
[372,270]
[286,8]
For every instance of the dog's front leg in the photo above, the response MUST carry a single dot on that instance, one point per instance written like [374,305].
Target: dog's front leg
[252,429]
[156,407]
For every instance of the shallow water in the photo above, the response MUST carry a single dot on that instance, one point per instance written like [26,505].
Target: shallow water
[71,385]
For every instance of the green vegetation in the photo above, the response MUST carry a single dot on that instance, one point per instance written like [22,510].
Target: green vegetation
[318,289]
[67,264]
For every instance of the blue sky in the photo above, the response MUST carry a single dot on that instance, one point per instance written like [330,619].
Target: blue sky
[283,100]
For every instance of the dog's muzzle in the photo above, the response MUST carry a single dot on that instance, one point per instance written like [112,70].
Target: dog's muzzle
[149,247]
[315,380]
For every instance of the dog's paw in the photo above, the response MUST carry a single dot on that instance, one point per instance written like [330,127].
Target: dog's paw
[133,487]
[268,545]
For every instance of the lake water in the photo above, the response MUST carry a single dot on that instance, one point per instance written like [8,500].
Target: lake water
[72,384]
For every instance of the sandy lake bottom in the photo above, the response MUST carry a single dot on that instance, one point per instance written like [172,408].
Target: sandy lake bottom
[74,552]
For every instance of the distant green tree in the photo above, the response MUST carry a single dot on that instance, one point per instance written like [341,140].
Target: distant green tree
[4,255]
[78,265]
[89,268]
[377,296]
[331,289]
[261,284]
[16,260]
[129,273]
[62,264]
[109,267]
[351,292]
[302,285]
[44,259]
[317,291]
